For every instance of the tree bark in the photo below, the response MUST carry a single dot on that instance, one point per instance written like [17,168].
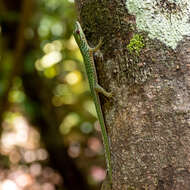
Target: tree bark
[145,62]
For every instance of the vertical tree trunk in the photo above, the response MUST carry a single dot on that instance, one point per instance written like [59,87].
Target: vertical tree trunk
[145,62]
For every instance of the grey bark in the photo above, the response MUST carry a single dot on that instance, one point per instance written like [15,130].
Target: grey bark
[148,119]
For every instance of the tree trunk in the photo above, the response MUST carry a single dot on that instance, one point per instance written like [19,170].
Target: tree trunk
[145,62]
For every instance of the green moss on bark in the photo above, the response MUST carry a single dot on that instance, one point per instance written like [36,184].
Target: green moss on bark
[136,44]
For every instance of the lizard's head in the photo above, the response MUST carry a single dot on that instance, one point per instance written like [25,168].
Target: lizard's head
[78,33]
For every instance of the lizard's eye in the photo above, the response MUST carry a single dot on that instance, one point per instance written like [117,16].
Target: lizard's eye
[77,31]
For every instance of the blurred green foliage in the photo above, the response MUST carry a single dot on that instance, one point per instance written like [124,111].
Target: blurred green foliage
[50,50]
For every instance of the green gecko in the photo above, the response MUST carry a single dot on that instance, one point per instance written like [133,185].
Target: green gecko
[87,53]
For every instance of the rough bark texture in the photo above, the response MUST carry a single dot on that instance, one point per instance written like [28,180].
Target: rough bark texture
[148,120]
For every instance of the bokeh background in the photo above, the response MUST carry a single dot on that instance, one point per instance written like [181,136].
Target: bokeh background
[49,134]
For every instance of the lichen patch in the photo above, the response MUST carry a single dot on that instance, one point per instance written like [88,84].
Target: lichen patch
[165,20]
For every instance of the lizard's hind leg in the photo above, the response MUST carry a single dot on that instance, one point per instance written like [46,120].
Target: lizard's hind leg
[100,89]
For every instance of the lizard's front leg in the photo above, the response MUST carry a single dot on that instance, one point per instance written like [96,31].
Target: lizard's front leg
[98,46]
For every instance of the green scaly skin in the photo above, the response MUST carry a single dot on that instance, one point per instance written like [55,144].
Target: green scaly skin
[87,53]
